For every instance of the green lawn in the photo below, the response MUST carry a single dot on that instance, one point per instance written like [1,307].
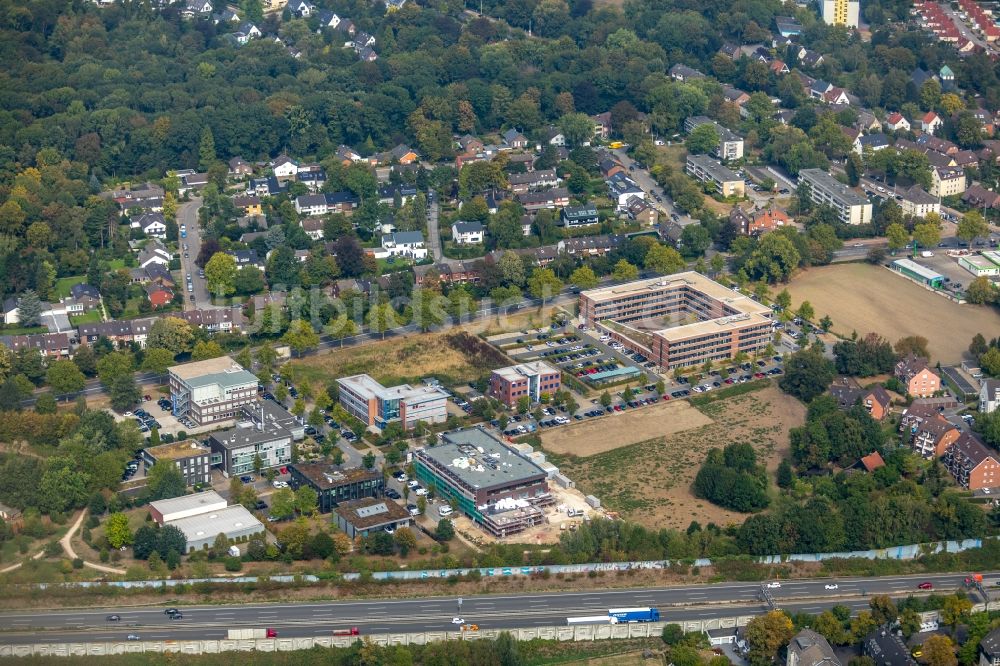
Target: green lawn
[116,264]
[92,317]
[63,285]
[14,330]
[398,265]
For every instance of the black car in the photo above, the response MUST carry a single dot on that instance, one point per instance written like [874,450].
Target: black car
[113,618]
[392,493]
[177,616]
[268,396]
[171,611]
[260,505]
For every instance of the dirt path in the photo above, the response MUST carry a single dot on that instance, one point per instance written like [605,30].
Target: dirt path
[36,556]
[67,545]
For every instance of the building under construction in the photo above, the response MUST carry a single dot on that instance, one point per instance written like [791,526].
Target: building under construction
[486,480]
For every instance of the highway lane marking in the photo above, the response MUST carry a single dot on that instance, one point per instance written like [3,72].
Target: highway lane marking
[557,598]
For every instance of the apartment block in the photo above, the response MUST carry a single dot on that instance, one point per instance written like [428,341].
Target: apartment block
[510,384]
[972,464]
[730,143]
[915,374]
[707,170]
[377,405]
[211,391]
[825,190]
[841,12]
[679,320]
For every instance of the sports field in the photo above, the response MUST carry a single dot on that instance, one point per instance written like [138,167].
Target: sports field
[866,298]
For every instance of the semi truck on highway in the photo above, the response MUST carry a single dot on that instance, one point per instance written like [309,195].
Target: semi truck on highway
[251,634]
[619,616]
[634,615]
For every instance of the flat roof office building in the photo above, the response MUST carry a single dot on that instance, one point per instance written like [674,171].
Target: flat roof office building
[211,391]
[510,384]
[335,486]
[486,480]
[239,447]
[192,458]
[377,405]
[825,190]
[679,320]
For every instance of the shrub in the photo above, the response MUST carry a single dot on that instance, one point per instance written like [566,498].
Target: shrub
[233,564]
[77,563]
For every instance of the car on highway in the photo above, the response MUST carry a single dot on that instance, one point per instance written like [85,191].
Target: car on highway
[171,611]
[133,637]
[113,618]
[177,616]
[926,585]
[457,620]
[773,585]
[831,586]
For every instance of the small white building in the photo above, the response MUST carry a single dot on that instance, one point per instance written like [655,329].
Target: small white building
[164,511]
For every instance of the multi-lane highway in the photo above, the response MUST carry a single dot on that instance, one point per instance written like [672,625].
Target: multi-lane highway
[436,613]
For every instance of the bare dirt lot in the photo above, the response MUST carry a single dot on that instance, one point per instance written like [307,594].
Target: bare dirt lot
[401,359]
[649,482]
[620,429]
[866,298]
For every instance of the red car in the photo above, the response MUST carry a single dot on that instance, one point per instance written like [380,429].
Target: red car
[926,585]
[665,398]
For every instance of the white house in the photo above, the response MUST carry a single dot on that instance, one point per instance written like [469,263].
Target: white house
[285,167]
[467,233]
[931,122]
[989,396]
[408,244]
[152,224]
[154,253]
[897,122]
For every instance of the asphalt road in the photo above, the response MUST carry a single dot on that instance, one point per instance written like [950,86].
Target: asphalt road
[187,214]
[435,614]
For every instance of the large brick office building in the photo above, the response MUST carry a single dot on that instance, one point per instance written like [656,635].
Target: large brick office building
[679,320]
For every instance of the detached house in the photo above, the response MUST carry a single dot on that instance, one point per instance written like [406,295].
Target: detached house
[580,216]
[989,396]
[468,233]
[896,122]
[153,225]
[409,244]
[931,122]
[919,380]
[285,167]
[238,168]
[514,139]
[154,253]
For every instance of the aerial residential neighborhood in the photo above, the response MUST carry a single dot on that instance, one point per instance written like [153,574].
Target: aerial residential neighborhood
[520,333]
